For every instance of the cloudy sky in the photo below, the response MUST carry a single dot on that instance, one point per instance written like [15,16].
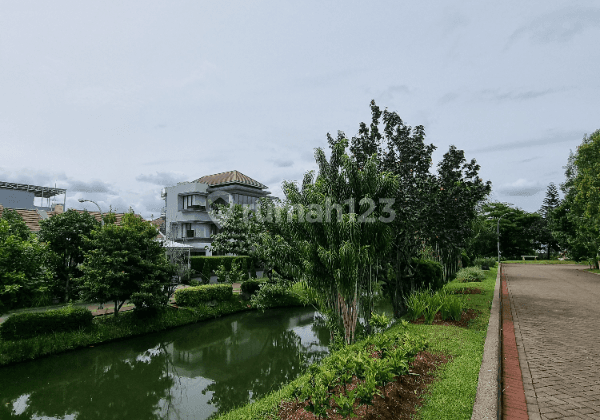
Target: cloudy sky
[113,100]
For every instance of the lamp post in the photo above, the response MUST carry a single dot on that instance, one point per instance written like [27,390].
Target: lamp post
[81,200]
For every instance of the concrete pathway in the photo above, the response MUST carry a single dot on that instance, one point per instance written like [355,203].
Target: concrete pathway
[556,315]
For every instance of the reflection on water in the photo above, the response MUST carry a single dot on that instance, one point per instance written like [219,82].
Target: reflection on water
[191,372]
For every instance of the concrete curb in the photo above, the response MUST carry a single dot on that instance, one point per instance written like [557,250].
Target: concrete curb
[488,387]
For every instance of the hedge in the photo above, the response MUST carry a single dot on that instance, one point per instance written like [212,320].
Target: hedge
[30,324]
[195,296]
[209,264]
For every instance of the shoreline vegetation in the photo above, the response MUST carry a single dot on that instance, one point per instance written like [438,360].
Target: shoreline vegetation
[450,396]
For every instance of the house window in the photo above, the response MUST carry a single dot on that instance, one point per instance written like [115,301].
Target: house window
[193,202]
[187,231]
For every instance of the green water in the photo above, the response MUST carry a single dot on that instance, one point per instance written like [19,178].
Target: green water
[191,372]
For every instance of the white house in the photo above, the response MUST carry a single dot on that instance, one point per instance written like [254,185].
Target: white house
[186,213]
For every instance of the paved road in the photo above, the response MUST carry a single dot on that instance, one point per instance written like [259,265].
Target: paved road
[556,310]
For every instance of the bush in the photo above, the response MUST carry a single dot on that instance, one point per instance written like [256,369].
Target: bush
[30,324]
[426,303]
[251,286]
[271,295]
[470,274]
[488,261]
[428,274]
[195,296]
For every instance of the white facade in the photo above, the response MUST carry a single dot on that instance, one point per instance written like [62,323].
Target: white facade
[186,210]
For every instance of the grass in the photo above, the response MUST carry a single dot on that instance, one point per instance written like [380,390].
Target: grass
[452,395]
[543,262]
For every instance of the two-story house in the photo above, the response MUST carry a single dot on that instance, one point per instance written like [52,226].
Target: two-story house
[187,204]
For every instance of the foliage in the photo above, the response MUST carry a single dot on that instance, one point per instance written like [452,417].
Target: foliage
[105,329]
[470,274]
[64,233]
[25,275]
[426,303]
[238,231]
[339,241]
[551,203]
[195,296]
[427,274]
[251,286]
[434,210]
[487,261]
[29,324]
[126,262]
[373,363]
[520,231]
[274,294]
[465,260]
[206,265]
[234,275]
[379,322]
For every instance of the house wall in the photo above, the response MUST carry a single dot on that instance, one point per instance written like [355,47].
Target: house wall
[177,215]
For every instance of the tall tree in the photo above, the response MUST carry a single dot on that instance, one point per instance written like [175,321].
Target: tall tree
[64,235]
[586,200]
[126,262]
[338,222]
[550,204]
[437,209]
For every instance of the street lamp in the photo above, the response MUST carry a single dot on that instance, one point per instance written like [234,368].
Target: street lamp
[81,200]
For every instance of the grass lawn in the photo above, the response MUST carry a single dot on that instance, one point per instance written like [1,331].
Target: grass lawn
[452,395]
[543,262]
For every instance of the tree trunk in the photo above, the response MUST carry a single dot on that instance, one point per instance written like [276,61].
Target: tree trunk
[116,308]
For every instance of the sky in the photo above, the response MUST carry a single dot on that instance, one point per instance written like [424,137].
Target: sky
[115,100]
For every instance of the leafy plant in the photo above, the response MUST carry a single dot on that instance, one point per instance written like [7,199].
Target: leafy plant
[470,274]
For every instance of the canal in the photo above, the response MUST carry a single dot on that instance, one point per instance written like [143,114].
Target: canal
[192,372]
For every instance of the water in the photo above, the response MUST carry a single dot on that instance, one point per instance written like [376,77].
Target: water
[191,372]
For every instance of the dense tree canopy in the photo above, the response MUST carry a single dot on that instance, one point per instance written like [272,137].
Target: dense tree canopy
[126,262]
[24,276]
[64,233]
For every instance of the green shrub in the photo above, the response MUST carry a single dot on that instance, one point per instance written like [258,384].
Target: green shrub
[428,274]
[271,295]
[251,286]
[427,303]
[470,274]
[196,296]
[30,324]
[488,261]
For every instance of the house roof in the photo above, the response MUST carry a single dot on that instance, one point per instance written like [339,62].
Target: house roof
[32,217]
[36,189]
[230,177]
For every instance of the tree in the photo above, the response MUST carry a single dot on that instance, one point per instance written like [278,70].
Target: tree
[430,210]
[238,232]
[64,233]
[519,231]
[337,222]
[575,223]
[24,276]
[126,262]
[550,204]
